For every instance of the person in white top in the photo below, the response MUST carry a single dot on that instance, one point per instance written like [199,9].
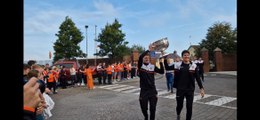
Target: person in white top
[73,75]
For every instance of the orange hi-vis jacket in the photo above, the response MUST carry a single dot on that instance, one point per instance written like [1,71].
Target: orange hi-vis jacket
[115,68]
[51,78]
[109,70]
[121,67]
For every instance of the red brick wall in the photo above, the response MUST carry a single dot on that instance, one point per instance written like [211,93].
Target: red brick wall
[229,62]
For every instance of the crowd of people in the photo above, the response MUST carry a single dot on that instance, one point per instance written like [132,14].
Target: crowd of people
[37,102]
[180,72]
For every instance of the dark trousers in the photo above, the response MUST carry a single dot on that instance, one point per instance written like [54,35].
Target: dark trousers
[122,75]
[52,85]
[73,79]
[133,72]
[99,75]
[189,95]
[63,82]
[79,78]
[104,75]
[152,100]
[125,74]
[84,77]
[109,77]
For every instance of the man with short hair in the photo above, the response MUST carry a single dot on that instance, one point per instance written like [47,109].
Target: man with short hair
[148,92]
[185,75]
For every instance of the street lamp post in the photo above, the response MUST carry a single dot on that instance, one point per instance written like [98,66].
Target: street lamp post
[96,44]
[86,26]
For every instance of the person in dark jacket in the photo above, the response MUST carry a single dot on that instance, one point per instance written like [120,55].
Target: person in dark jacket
[185,75]
[148,91]
[200,64]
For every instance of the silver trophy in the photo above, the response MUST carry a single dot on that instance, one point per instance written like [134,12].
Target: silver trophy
[159,46]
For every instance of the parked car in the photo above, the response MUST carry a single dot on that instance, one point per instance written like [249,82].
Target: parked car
[67,65]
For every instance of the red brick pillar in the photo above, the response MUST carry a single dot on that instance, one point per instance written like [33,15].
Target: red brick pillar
[218,59]
[205,58]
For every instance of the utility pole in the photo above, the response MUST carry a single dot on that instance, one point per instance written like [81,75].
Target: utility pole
[95,45]
[86,26]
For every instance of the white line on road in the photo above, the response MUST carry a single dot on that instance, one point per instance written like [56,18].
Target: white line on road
[136,91]
[162,92]
[108,86]
[221,101]
[125,88]
[132,90]
[171,96]
[198,97]
[118,86]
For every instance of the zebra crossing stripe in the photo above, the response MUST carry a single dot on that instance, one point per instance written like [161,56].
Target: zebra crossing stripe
[171,96]
[108,86]
[198,97]
[220,101]
[162,92]
[132,90]
[125,88]
[138,93]
[118,86]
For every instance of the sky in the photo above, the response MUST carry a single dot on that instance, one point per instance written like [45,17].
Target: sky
[183,22]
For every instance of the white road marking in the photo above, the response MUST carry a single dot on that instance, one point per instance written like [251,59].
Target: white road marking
[124,88]
[162,92]
[132,90]
[136,91]
[198,97]
[106,86]
[221,101]
[118,86]
[171,96]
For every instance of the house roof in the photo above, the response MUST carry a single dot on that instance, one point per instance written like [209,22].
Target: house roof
[193,46]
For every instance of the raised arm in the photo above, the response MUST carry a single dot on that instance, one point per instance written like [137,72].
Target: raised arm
[140,61]
[161,70]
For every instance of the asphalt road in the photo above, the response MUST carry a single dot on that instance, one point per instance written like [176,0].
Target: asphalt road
[120,101]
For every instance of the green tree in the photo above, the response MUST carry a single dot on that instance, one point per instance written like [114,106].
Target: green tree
[111,41]
[220,35]
[139,48]
[66,46]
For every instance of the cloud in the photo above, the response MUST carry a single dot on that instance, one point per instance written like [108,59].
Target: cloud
[44,21]
[106,9]
[232,19]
